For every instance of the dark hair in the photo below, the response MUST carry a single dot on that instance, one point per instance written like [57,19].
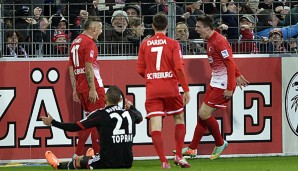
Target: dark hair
[265,16]
[206,20]
[160,21]
[90,20]
[113,94]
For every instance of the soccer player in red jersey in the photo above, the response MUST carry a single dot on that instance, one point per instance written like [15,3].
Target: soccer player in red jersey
[160,62]
[225,77]
[87,85]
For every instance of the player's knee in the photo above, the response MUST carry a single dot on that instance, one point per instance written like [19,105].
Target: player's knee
[179,119]
[203,114]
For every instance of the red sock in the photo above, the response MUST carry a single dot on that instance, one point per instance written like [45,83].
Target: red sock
[198,134]
[82,136]
[158,145]
[213,127]
[179,138]
[95,140]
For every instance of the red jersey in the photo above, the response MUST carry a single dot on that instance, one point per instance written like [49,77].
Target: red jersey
[83,49]
[224,69]
[160,62]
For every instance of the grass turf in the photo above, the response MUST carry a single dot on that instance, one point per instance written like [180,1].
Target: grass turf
[288,163]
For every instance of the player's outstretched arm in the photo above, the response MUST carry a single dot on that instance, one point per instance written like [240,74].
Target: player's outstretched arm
[72,127]
[241,81]
[47,120]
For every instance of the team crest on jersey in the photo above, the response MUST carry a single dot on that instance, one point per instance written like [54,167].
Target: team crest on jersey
[91,53]
[225,53]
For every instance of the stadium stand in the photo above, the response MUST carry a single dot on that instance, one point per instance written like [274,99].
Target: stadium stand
[45,28]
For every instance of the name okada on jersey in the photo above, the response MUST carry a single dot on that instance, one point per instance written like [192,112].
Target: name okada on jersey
[157,75]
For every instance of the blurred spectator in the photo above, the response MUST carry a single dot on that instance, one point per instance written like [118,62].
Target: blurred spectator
[162,6]
[253,5]
[60,44]
[59,24]
[77,27]
[73,7]
[13,48]
[230,18]
[294,45]
[116,36]
[276,42]
[17,11]
[267,21]
[211,6]
[187,46]
[39,37]
[245,9]
[136,25]
[137,28]
[220,27]
[275,5]
[192,9]
[246,39]
[291,17]
[105,8]
[132,11]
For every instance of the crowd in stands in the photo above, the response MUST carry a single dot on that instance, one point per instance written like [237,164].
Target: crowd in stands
[45,28]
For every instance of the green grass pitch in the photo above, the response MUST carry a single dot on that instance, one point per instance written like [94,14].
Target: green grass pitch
[284,163]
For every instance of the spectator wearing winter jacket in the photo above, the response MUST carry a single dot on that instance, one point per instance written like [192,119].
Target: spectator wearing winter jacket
[246,41]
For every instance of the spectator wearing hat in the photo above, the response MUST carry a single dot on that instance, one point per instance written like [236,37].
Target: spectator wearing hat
[245,41]
[116,35]
[277,44]
[133,11]
[60,45]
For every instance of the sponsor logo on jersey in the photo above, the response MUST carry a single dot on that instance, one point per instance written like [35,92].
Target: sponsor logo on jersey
[225,53]
[291,103]
[210,59]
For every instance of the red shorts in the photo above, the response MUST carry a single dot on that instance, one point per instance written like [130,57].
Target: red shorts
[164,106]
[214,98]
[90,107]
